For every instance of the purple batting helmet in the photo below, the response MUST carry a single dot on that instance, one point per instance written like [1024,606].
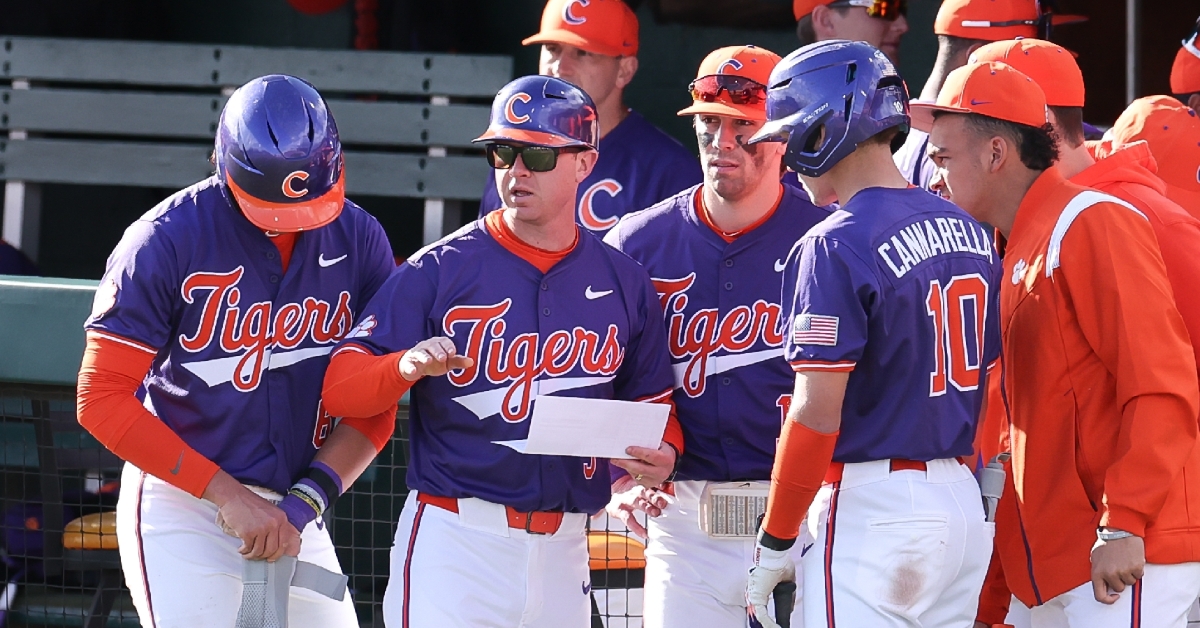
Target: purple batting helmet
[278,153]
[826,98]
[543,111]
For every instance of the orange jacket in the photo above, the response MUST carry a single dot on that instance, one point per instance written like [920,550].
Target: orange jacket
[1101,387]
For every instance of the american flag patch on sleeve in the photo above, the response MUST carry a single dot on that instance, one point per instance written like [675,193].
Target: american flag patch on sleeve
[815,329]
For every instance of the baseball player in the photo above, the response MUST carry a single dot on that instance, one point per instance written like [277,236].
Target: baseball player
[880,23]
[518,304]
[1127,173]
[1185,72]
[1102,408]
[961,27]
[890,311]
[715,251]
[593,44]
[206,347]
[1172,133]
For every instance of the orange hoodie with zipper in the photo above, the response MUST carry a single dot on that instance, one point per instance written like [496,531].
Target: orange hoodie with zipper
[1173,535]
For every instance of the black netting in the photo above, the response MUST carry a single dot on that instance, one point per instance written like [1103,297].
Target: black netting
[56,475]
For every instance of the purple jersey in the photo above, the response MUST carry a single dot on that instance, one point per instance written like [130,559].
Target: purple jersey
[639,166]
[724,328]
[898,287]
[587,328]
[241,345]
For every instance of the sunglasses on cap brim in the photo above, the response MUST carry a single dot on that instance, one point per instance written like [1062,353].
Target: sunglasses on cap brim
[739,90]
[1044,24]
[535,158]
[889,10]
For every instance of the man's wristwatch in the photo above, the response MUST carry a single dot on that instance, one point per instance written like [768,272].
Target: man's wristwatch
[1111,534]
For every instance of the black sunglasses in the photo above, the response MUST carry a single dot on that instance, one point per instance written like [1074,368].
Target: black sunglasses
[889,10]
[535,158]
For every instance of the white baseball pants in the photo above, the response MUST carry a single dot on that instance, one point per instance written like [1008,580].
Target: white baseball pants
[903,549]
[183,571]
[451,569]
[693,579]
[1161,599]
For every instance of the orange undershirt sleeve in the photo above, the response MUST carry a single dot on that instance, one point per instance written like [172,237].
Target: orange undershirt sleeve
[378,429]
[360,384]
[801,462]
[107,408]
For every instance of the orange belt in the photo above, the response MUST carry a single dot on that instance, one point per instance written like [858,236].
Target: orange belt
[834,474]
[531,522]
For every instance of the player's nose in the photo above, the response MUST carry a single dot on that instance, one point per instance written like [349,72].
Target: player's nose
[937,183]
[726,137]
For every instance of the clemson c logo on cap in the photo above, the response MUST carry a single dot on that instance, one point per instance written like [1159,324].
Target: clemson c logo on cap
[569,17]
[732,63]
[290,191]
[510,114]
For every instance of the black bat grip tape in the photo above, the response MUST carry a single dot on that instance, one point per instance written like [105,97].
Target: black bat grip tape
[785,600]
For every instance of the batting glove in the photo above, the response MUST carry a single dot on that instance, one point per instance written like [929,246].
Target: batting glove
[770,568]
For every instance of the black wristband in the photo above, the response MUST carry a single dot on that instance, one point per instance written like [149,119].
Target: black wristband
[327,484]
[774,543]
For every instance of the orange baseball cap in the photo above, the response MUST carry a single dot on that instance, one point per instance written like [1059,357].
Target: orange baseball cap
[1172,130]
[994,20]
[991,89]
[1185,72]
[606,27]
[1050,65]
[749,62]
[801,8]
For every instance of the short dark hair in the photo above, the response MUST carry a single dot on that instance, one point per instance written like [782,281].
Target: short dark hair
[804,27]
[1070,125]
[1036,146]
[954,45]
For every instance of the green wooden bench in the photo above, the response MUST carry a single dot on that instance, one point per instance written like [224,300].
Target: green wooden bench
[145,114]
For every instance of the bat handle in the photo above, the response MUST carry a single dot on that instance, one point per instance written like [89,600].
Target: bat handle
[785,600]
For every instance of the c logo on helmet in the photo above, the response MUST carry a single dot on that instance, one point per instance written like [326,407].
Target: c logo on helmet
[510,114]
[587,214]
[731,63]
[289,189]
[569,17]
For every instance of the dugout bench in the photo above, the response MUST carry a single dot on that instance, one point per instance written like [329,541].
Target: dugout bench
[145,114]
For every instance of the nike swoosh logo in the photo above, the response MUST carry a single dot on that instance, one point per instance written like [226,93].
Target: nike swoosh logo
[976,103]
[595,295]
[806,548]
[326,263]
[178,465]
[587,588]
[779,266]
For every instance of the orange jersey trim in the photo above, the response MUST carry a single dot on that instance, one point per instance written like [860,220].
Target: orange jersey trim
[730,236]
[800,366]
[285,243]
[113,368]
[541,259]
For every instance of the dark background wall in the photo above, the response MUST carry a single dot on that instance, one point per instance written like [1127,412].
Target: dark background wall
[82,223]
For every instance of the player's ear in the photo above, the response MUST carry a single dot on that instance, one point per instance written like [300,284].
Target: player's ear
[999,151]
[822,22]
[627,67]
[584,162]
[1194,101]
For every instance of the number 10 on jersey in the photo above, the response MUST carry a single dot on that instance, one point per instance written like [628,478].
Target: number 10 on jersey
[958,310]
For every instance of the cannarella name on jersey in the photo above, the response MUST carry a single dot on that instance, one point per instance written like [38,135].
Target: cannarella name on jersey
[924,239]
